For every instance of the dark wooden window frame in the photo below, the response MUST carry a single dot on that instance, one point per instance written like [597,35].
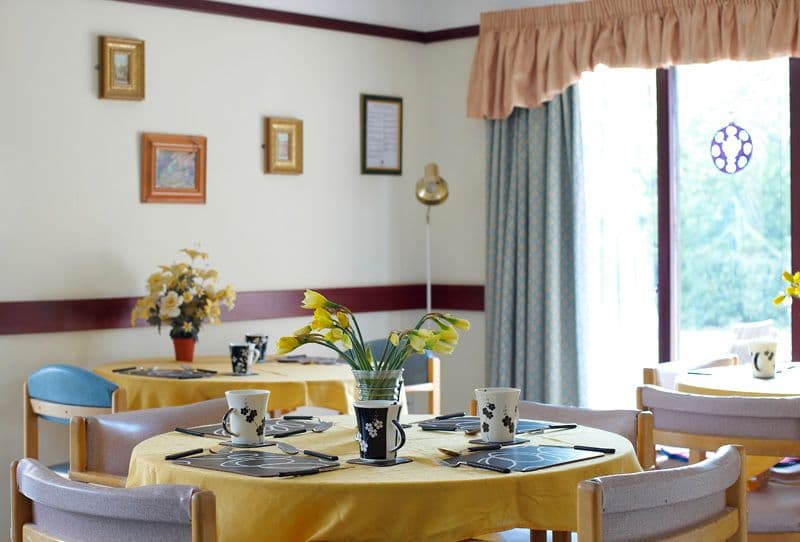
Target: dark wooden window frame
[668,233]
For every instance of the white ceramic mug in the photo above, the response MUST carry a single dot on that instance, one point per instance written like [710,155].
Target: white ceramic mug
[246,416]
[380,434]
[762,356]
[498,411]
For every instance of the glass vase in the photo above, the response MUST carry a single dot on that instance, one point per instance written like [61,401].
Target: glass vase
[378,385]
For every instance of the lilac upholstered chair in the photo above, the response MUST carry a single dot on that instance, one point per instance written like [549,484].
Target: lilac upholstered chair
[44,503]
[101,446]
[767,426]
[703,501]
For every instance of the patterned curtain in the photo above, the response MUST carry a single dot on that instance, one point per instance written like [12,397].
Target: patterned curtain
[533,255]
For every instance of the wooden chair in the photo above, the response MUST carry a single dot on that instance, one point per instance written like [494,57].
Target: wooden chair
[704,501]
[55,393]
[100,446]
[765,426]
[422,375]
[48,508]
[635,425]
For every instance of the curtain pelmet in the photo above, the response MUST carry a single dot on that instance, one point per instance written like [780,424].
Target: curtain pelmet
[526,57]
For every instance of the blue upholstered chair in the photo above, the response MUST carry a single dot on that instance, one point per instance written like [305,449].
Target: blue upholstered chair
[421,375]
[55,393]
[47,507]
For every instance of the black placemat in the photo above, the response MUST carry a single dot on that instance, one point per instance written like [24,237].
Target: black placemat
[526,458]
[155,372]
[471,423]
[272,427]
[261,464]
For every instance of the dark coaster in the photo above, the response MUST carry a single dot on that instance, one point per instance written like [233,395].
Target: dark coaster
[384,463]
[239,374]
[230,444]
[517,440]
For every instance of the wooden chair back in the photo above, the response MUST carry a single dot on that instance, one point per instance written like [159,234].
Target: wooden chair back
[704,501]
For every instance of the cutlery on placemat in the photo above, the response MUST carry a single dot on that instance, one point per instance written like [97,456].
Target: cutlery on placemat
[321,455]
[698,373]
[123,369]
[287,448]
[187,453]
[580,447]
[503,470]
[197,433]
[551,427]
[321,427]
[452,415]
[290,433]
[480,448]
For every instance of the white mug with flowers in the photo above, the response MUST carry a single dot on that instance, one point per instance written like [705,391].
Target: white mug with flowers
[183,296]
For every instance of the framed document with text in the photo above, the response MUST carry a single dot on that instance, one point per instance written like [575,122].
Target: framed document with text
[381,135]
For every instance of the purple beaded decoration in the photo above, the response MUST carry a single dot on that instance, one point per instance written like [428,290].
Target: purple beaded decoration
[731,148]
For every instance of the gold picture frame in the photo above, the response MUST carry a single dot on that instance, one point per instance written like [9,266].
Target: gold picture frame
[284,147]
[121,68]
[173,169]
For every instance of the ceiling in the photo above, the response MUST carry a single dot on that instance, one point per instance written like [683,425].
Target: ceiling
[422,15]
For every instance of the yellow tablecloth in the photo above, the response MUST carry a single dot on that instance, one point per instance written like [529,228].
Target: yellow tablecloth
[739,380]
[291,384]
[415,501]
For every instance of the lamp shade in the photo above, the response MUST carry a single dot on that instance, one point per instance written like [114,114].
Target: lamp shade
[431,189]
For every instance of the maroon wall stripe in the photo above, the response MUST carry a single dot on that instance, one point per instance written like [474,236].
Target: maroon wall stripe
[17,317]
[313,21]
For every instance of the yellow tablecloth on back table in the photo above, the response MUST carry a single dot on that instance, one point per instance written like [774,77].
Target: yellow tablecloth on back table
[415,501]
[291,384]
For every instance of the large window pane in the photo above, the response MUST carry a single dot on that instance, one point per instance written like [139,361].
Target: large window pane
[734,237]
[618,117]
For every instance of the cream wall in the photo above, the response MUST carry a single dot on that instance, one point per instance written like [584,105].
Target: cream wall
[72,224]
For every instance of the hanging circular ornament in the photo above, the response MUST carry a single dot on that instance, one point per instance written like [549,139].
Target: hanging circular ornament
[731,148]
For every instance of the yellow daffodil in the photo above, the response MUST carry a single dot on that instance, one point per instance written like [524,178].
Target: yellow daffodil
[442,348]
[779,300]
[458,323]
[394,338]
[334,335]
[322,319]
[314,300]
[287,344]
[341,317]
[305,330]
[416,342]
[449,335]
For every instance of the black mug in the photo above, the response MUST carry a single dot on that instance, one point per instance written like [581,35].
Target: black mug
[260,341]
[242,357]
[380,434]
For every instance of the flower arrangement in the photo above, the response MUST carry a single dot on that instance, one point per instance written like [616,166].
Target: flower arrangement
[183,296]
[792,290]
[335,326]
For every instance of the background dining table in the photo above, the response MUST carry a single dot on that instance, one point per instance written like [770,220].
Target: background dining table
[421,500]
[291,384]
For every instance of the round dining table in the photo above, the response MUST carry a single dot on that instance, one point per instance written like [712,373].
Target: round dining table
[291,384]
[420,500]
[739,380]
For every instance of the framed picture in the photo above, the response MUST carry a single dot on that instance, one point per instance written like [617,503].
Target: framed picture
[381,135]
[121,68]
[173,169]
[284,148]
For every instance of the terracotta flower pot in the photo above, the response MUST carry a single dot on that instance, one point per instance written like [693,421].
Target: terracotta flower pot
[184,349]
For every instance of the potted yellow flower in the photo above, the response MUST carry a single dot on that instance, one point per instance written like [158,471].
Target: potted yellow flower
[378,374]
[183,296]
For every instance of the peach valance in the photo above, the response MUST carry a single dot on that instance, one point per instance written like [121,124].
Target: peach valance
[525,57]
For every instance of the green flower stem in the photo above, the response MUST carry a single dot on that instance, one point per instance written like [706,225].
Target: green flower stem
[328,344]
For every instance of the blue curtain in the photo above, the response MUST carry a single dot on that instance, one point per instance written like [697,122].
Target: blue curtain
[533,255]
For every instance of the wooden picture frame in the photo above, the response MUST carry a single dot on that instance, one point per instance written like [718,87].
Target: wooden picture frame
[121,68]
[284,147]
[173,169]
[381,135]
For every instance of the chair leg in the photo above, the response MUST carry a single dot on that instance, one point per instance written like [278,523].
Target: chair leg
[538,536]
[562,536]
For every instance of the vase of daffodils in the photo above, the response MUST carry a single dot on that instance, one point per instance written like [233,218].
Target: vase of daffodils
[183,296]
[378,374]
